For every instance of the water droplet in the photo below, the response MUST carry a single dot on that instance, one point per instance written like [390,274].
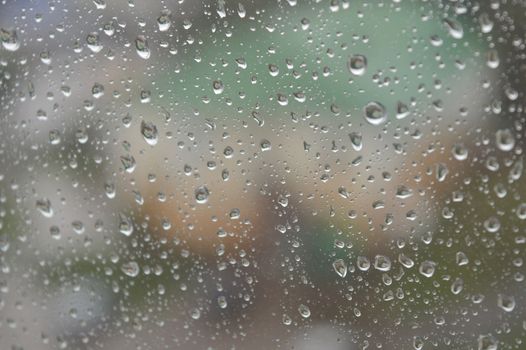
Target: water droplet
[457,286]
[201,194]
[273,70]
[375,113]
[402,110]
[506,302]
[357,64]
[505,140]
[363,263]
[55,232]
[427,268]
[488,342]
[218,87]
[356,140]
[459,151]
[44,207]
[492,59]
[382,263]
[441,172]
[406,261]
[149,132]
[164,21]
[221,301]
[9,39]
[78,227]
[486,24]
[340,267]
[128,162]
[97,90]
[304,311]
[195,314]
[141,45]
[492,224]
[454,28]
[461,259]
[125,225]
[265,145]
[130,269]
[403,192]
[93,42]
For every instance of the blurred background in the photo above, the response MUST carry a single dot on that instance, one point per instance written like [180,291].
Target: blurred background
[262,174]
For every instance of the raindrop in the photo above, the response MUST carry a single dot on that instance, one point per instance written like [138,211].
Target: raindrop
[9,39]
[427,268]
[201,194]
[93,42]
[164,21]
[488,342]
[363,263]
[265,145]
[402,110]
[218,87]
[340,267]
[505,140]
[505,302]
[149,132]
[454,28]
[141,45]
[375,113]
[304,311]
[44,207]
[356,140]
[125,225]
[382,263]
[457,286]
[130,269]
[357,64]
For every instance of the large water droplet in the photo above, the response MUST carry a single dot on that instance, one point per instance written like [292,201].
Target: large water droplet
[454,28]
[149,132]
[304,311]
[382,263]
[141,45]
[201,194]
[427,268]
[505,140]
[44,207]
[9,39]
[357,64]
[93,42]
[164,21]
[375,113]
[130,269]
[340,267]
